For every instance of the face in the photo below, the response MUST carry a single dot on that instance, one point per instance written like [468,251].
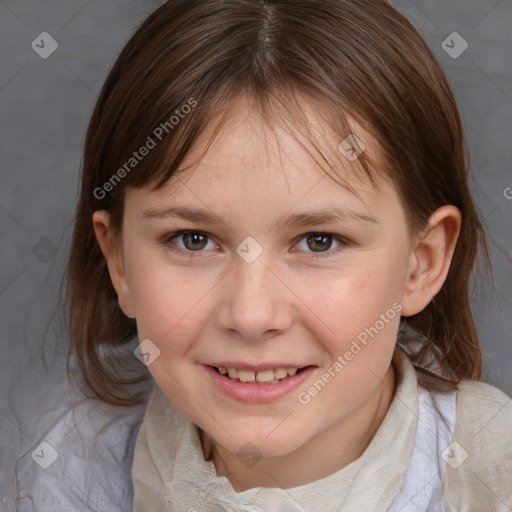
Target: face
[279,267]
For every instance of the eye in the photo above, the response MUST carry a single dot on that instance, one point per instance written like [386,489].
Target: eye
[190,241]
[319,242]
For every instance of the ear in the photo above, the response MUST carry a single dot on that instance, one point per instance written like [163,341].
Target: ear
[430,259]
[113,254]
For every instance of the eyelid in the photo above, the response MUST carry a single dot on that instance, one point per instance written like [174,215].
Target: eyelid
[310,254]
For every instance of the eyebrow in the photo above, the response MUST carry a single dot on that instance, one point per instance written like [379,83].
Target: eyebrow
[325,216]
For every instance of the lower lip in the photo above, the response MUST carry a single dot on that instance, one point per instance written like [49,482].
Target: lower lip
[257,393]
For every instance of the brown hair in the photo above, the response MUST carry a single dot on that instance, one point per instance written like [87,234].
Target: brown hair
[357,59]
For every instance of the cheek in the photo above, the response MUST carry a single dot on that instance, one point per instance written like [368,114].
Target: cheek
[360,303]
[169,305]
[351,298]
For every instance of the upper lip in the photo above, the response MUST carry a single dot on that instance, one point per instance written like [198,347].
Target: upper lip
[240,365]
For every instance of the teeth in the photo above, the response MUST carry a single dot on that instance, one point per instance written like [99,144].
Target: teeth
[263,376]
[245,375]
[280,373]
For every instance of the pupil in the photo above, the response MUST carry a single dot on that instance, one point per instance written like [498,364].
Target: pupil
[322,242]
[198,241]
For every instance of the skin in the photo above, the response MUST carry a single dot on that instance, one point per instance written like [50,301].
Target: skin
[291,304]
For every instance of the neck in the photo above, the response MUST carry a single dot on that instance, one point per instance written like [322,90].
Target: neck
[320,457]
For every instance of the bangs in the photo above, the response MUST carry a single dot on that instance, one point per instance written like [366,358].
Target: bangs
[336,140]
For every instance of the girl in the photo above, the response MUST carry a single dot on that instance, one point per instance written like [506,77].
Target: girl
[275,202]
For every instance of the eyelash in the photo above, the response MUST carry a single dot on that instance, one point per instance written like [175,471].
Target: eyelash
[168,239]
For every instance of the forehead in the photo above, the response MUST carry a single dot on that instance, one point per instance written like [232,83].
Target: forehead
[256,162]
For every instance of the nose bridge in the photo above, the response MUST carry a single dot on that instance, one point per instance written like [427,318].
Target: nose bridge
[256,300]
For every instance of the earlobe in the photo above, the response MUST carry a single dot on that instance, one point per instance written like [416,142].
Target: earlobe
[113,254]
[430,259]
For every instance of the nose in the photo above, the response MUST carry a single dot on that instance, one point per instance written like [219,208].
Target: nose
[255,304]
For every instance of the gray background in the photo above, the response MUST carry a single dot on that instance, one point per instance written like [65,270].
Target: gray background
[45,105]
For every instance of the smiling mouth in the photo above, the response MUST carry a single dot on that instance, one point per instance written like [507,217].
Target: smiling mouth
[258,377]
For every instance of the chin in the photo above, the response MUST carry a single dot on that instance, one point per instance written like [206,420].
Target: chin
[260,446]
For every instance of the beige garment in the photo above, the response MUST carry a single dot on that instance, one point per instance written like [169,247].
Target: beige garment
[169,472]
[479,471]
